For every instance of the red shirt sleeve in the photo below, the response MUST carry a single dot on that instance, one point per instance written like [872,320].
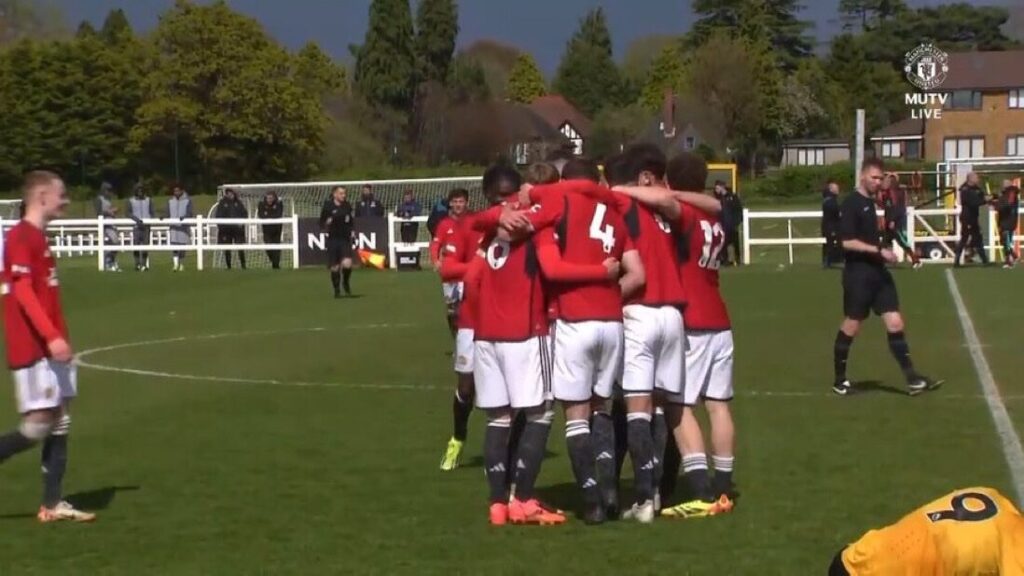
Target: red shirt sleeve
[18,256]
[486,221]
[438,240]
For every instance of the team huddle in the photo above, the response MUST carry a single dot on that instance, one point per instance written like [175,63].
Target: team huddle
[598,293]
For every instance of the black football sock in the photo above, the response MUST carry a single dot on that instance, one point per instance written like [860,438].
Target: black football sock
[659,434]
[621,434]
[347,272]
[495,456]
[671,461]
[841,353]
[603,438]
[901,351]
[336,281]
[241,258]
[581,455]
[722,483]
[531,449]
[461,409]
[13,443]
[641,452]
[695,472]
[54,461]
[514,436]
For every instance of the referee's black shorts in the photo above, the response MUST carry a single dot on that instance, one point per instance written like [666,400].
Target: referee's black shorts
[338,250]
[868,288]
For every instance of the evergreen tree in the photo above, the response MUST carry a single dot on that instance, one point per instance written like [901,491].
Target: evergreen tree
[667,72]
[525,82]
[385,68]
[316,72]
[587,75]
[116,28]
[437,27]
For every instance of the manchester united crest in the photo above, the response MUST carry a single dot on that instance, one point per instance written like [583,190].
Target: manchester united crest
[927,66]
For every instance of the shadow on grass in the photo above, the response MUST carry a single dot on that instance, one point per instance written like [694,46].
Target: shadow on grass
[872,386]
[90,500]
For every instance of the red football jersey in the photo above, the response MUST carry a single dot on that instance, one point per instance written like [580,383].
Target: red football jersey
[511,303]
[660,251]
[705,309]
[27,255]
[461,246]
[445,228]
[586,232]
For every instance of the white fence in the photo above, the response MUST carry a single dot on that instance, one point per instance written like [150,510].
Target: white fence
[71,237]
[395,245]
[920,230]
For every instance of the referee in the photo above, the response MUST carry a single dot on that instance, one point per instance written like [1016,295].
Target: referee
[867,284]
[336,221]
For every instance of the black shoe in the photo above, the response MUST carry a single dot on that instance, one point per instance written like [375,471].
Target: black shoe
[918,384]
[348,289]
[610,500]
[843,388]
[337,294]
[594,515]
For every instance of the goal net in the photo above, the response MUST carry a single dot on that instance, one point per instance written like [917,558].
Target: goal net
[305,199]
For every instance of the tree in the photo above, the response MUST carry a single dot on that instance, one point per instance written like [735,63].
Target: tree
[86,30]
[775,21]
[437,26]
[35,19]
[868,13]
[495,60]
[667,72]
[1014,28]
[467,80]
[587,75]
[116,28]
[525,82]
[316,72]
[789,33]
[231,105]
[385,68]
[615,128]
[641,54]
[877,87]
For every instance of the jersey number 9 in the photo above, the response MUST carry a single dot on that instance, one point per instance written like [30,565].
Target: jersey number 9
[960,513]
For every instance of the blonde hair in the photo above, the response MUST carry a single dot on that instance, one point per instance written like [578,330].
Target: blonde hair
[541,173]
[35,180]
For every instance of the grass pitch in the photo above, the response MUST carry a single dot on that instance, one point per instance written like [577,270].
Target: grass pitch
[247,423]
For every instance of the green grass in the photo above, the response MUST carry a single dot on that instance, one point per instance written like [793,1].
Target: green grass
[194,476]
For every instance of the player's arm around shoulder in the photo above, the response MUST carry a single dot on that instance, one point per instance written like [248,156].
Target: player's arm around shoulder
[556,269]
[634,277]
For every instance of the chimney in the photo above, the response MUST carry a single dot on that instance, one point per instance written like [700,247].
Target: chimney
[668,114]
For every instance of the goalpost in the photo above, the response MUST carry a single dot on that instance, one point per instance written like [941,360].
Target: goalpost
[304,199]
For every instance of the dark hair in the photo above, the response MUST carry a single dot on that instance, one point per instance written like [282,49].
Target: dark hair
[581,169]
[338,187]
[720,183]
[501,180]
[541,173]
[458,193]
[646,157]
[869,163]
[687,172]
[617,170]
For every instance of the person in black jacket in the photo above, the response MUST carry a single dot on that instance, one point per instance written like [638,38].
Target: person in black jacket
[368,204]
[971,201]
[832,251]
[1007,211]
[271,208]
[231,207]
[336,220]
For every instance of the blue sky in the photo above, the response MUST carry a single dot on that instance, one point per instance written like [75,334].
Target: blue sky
[540,26]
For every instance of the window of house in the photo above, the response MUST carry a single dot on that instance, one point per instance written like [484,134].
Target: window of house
[1015,145]
[891,150]
[690,142]
[963,100]
[971,147]
[912,150]
[574,137]
[1017,98]
[810,157]
[520,153]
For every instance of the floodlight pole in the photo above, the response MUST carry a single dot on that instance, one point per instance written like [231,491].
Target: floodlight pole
[859,158]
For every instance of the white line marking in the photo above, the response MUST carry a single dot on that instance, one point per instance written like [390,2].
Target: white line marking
[1012,450]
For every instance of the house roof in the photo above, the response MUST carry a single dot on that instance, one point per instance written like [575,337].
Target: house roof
[556,111]
[901,129]
[817,143]
[985,70]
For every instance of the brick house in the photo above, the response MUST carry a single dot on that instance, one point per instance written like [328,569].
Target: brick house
[983,115]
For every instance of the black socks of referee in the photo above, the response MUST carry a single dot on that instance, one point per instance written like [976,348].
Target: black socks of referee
[840,354]
[336,281]
[901,351]
[347,274]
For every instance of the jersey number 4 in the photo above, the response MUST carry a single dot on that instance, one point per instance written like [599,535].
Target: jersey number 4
[601,231]
[960,513]
[714,238]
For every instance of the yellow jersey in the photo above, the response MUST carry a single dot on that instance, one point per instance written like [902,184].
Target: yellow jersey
[974,531]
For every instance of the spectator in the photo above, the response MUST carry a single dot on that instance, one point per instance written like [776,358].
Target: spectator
[971,201]
[231,207]
[832,251]
[732,219]
[1007,211]
[437,214]
[271,208]
[409,208]
[368,204]
[179,207]
[140,208]
[106,209]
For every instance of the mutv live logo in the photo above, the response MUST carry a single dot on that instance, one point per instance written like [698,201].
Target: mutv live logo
[925,105]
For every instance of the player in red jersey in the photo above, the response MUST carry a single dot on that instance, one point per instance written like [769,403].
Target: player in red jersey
[513,358]
[458,251]
[587,234]
[458,203]
[38,353]
[709,353]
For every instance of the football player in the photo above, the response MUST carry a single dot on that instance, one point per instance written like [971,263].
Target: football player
[38,352]
[974,531]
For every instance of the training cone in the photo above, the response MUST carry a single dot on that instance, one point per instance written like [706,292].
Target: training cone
[372,259]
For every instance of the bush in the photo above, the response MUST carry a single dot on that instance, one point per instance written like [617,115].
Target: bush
[805,183]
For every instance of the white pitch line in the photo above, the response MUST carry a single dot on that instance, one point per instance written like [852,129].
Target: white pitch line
[1008,437]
